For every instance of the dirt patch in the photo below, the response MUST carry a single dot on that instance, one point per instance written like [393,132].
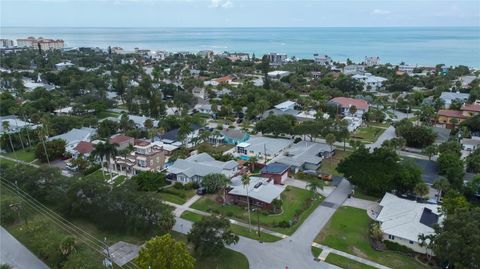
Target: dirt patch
[359,253]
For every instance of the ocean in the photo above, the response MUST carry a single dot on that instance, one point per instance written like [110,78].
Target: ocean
[413,45]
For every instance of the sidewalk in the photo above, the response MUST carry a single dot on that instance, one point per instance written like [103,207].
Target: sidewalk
[329,250]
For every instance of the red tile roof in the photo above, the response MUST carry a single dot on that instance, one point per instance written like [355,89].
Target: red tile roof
[141,143]
[347,102]
[450,113]
[119,139]
[84,147]
[223,79]
[471,107]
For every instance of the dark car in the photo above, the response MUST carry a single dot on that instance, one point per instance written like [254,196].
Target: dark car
[201,191]
[171,176]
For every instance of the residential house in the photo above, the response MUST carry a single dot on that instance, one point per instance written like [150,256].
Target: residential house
[408,69]
[15,124]
[449,118]
[199,92]
[172,136]
[322,60]
[263,148]
[64,65]
[122,141]
[146,156]
[304,156]
[230,136]
[261,192]
[74,136]
[353,123]
[278,172]
[277,74]
[354,69]
[219,81]
[371,83]
[83,148]
[449,97]
[138,120]
[287,105]
[345,103]
[466,81]
[204,108]
[194,168]
[402,221]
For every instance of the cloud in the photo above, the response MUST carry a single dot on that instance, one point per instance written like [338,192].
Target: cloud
[381,11]
[221,4]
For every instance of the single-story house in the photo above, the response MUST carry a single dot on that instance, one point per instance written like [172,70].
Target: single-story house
[276,171]
[402,220]
[449,97]
[194,168]
[171,136]
[471,144]
[74,136]
[345,103]
[15,124]
[262,147]
[304,156]
[261,192]
[230,137]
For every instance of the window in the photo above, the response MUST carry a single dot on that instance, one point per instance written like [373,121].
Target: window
[411,242]
[391,237]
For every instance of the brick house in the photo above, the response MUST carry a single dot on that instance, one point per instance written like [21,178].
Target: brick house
[276,171]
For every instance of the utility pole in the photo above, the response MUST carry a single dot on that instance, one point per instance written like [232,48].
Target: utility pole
[258,225]
[107,262]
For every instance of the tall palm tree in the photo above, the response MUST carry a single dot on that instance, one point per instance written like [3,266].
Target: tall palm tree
[313,185]
[14,111]
[251,163]
[246,184]
[106,151]
[100,152]
[41,137]
[6,129]
[184,130]
[427,242]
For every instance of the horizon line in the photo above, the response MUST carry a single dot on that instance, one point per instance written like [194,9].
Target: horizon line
[393,26]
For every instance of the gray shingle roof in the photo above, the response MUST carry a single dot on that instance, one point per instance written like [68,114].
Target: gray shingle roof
[265,191]
[200,165]
[303,152]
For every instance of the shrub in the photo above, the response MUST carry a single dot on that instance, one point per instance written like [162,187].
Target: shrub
[396,247]
[178,186]
[229,214]
[190,186]
[150,181]
[284,224]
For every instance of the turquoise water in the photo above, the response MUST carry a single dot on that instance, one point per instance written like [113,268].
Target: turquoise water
[413,45]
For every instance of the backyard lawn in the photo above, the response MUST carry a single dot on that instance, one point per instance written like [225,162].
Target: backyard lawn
[329,165]
[237,229]
[368,134]
[295,206]
[348,231]
[176,196]
[345,263]
[26,155]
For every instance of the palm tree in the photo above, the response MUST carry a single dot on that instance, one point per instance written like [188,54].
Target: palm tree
[427,242]
[6,129]
[313,185]
[376,232]
[251,162]
[441,186]
[225,181]
[41,136]
[14,111]
[149,125]
[421,189]
[105,151]
[67,245]
[246,184]
[183,132]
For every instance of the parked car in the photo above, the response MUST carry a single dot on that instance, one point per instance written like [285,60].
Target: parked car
[201,191]
[326,177]
[70,166]
[310,172]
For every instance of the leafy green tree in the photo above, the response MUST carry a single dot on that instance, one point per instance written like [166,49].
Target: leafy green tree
[149,181]
[430,151]
[426,114]
[67,246]
[313,186]
[442,186]
[415,135]
[473,161]
[452,201]
[406,177]
[210,235]
[330,139]
[452,147]
[458,238]
[451,166]
[214,182]
[54,150]
[164,252]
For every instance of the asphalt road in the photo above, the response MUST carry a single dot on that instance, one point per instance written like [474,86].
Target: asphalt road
[13,253]
[295,251]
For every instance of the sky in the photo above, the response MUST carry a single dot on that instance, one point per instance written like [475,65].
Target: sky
[239,13]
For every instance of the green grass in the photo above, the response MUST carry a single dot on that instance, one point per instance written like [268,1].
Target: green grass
[176,196]
[345,263]
[237,229]
[316,251]
[26,155]
[348,231]
[119,181]
[295,206]
[98,174]
[361,195]
[379,124]
[225,259]
[368,134]
[329,165]
[106,114]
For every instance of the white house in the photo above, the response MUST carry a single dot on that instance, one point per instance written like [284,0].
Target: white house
[322,60]
[262,147]
[402,220]
[194,168]
[471,144]
[287,105]
[15,124]
[63,65]
[278,74]
[75,136]
[354,69]
[371,83]
[449,97]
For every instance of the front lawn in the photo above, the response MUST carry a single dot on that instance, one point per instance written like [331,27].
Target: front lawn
[329,165]
[368,134]
[345,263]
[176,196]
[348,231]
[296,206]
[26,155]
[225,259]
[240,230]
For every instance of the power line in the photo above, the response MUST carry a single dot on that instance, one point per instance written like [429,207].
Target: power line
[64,224]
